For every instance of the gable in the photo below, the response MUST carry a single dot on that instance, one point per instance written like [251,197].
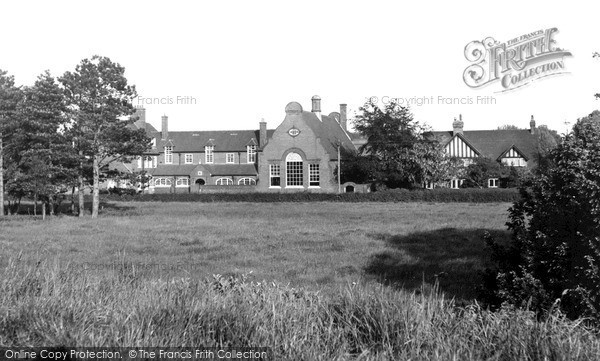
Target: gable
[513,152]
[460,148]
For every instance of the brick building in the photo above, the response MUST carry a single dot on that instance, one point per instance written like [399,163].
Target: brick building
[299,155]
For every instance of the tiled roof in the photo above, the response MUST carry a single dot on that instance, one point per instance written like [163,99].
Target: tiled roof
[212,169]
[494,143]
[329,131]
[223,140]
[231,169]
[172,169]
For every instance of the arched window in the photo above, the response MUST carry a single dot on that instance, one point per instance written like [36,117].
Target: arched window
[294,170]
[246,182]
[224,182]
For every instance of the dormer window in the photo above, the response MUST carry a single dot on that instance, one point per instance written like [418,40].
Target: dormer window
[209,154]
[169,154]
[251,150]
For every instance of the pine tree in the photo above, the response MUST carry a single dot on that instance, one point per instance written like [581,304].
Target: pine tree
[99,98]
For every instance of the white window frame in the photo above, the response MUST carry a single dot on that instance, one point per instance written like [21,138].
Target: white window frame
[294,160]
[246,182]
[190,160]
[251,153]
[169,154]
[209,154]
[227,160]
[494,181]
[228,181]
[274,172]
[314,175]
[182,182]
[456,183]
[163,182]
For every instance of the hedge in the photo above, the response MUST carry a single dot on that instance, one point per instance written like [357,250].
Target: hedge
[485,195]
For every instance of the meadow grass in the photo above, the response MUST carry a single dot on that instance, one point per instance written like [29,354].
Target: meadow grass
[316,245]
[46,305]
[321,281]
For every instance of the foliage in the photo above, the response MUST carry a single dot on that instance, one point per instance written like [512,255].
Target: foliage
[100,99]
[355,322]
[555,249]
[397,195]
[9,97]
[477,173]
[397,153]
[42,158]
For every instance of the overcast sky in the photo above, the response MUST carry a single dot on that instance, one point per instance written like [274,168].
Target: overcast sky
[241,61]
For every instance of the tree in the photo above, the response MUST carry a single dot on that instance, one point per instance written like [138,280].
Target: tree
[100,97]
[554,253]
[397,150]
[43,158]
[9,97]
[508,127]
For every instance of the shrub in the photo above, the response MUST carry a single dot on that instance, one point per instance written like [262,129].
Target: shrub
[393,195]
[554,254]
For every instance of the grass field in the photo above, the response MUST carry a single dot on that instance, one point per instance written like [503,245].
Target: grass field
[143,275]
[316,245]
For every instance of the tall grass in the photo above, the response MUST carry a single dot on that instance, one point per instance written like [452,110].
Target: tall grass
[45,305]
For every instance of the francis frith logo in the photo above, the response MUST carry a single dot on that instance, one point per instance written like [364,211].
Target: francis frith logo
[516,62]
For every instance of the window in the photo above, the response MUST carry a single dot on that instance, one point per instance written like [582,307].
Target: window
[493,183]
[428,185]
[251,153]
[209,156]
[224,182]
[189,158]
[313,175]
[456,183]
[246,182]
[294,170]
[229,158]
[169,155]
[183,182]
[163,182]
[275,175]
[514,162]
[148,162]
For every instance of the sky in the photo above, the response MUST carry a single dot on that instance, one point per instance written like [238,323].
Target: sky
[229,64]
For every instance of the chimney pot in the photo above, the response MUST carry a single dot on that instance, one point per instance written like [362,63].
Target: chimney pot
[344,116]
[165,127]
[262,136]
[532,125]
[457,125]
[316,106]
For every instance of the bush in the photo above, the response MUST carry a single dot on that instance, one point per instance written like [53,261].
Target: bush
[122,191]
[554,254]
[394,195]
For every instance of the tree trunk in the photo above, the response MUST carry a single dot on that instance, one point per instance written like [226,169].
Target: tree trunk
[51,204]
[96,190]
[73,200]
[35,204]
[81,204]
[1,179]
[44,210]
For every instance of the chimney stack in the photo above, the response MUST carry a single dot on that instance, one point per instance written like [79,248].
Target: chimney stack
[343,116]
[457,125]
[140,114]
[532,125]
[262,136]
[316,106]
[165,127]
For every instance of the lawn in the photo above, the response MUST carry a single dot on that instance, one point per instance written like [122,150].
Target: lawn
[315,245]
[143,275]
